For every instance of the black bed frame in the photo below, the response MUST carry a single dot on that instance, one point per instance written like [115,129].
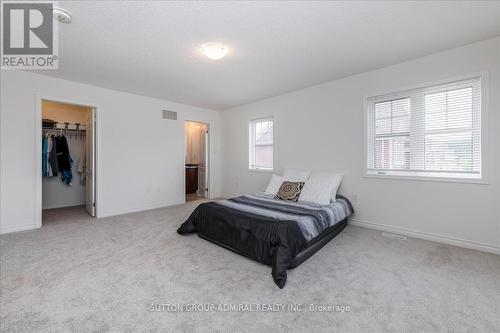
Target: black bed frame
[314,246]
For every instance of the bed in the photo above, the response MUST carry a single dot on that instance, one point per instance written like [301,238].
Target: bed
[278,233]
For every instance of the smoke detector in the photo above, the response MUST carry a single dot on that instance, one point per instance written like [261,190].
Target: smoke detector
[61,15]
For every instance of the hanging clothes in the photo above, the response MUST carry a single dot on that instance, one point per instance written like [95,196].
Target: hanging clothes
[44,155]
[67,176]
[64,159]
[52,160]
[82,165]
[49,148]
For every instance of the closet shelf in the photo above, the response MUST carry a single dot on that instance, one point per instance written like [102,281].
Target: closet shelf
[66,126]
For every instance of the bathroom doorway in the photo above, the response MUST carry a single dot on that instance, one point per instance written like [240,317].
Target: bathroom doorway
[196,161]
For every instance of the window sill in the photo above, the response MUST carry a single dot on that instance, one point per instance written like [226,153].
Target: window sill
[476,181]
[261,170]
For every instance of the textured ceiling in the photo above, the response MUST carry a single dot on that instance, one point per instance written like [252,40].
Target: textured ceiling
[151,47]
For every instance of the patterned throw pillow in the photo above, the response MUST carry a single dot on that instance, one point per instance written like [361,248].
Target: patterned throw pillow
[290,191]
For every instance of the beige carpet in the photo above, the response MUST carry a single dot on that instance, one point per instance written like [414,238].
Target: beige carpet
[79,274]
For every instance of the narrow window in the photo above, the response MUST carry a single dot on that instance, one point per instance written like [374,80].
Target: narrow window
[261,144]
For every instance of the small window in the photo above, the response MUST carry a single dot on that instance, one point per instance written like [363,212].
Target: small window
[261,144]
[433,131]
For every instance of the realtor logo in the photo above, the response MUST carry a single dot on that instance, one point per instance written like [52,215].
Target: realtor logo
[28,36]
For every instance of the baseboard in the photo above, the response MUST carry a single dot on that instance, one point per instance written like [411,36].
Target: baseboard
[136,209]
[24,227]
[64,206]
[428,236]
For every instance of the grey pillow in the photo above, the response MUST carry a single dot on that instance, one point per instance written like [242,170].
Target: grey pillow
[289,191]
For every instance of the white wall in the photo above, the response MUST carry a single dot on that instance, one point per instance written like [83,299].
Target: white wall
[140,156]
[321,128]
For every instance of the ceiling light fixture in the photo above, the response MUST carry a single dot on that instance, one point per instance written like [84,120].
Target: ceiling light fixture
[214,51]
[61,15]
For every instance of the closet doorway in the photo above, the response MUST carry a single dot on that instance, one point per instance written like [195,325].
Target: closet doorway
[197,160]
[67,161]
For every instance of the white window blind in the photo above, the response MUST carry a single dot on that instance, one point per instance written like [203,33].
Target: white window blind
[261,144]
[427,132]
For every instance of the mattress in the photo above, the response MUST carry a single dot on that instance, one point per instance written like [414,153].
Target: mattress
[271,231]
[310,217]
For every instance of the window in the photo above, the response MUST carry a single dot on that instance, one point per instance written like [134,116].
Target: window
[261,144]
[427,132]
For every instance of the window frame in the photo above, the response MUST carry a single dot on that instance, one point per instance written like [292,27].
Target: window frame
[251,144]
[437,176]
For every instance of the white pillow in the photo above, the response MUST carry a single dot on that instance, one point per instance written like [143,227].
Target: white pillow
[334,178]
[274,185]
[296,175]
[317,191]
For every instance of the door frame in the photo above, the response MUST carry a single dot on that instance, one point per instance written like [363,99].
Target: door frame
[208,167]
[38,150]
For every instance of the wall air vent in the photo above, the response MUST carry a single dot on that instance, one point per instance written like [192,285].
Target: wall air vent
[395,236]
[166,114]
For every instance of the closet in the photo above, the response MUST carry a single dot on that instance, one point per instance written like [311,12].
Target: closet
[67,157]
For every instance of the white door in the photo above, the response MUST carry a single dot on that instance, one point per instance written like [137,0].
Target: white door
[90,156]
